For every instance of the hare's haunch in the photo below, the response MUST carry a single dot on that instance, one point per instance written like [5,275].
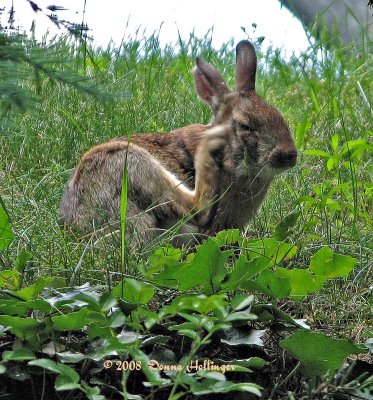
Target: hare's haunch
[214,176]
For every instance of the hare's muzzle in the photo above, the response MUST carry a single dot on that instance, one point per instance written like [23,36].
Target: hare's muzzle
[283,158]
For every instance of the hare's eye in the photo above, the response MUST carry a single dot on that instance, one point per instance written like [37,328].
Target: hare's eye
[244,127]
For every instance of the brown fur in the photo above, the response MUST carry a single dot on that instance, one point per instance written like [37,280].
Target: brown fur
[217,175]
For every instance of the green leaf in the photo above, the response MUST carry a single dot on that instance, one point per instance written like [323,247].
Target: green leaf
[186,325]
[318,353]
[128,337]
[342,187]
[200,303]
[97,331]
[271,249]
[301,130]
[90,297]
[241,302]
[314,98]
[327,263]
[99,318]
[243,271]
[207,267]
[6,234]
[22,354]
[227,237]
[72,321]
[126,307]
[309,201]
[163,256]
[332,162]
[268,313]
[10,279]
[358,145]
[283,228]
[107,347]
[21,327]
[252,362]
[19,307]
[39,305]
[189,333]
[107,301]
[208,386]
[216,376]
[214,326]
[318,153]
[332,204]
[335,142]
[270,284]
[302,282]
[32,291]
[63,382]
[22,259]
[57,368]
[134,291]
[163,355]
[150,318]
[75,298]
[151,373]
[12,307]
[240,316]
[117,319]
[93,393]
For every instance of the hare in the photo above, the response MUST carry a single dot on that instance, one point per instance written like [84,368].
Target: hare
[212,177]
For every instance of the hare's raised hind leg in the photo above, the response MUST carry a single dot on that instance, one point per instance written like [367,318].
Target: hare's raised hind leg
[209,160]
[158,189]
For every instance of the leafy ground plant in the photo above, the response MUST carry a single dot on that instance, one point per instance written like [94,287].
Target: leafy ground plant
[206,338]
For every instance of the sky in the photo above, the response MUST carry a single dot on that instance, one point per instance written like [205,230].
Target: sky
[118,19]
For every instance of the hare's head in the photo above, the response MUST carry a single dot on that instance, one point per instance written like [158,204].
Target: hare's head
[260,138]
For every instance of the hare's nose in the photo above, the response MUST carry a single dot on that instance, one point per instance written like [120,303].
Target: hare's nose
[283,158]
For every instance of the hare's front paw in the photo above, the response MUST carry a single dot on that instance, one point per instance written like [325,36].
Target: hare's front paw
[217,139]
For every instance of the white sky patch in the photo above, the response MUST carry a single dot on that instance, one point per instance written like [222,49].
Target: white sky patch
[117,19]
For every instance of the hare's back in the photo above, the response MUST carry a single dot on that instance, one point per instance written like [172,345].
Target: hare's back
[155,163]
[174,150]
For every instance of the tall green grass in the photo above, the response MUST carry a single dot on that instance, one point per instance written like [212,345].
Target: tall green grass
[324,94]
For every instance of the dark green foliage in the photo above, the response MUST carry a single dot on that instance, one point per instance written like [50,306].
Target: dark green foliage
[130,336]
[136,338]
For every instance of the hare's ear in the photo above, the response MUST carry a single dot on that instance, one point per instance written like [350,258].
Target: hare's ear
[210,85]
[245,66]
